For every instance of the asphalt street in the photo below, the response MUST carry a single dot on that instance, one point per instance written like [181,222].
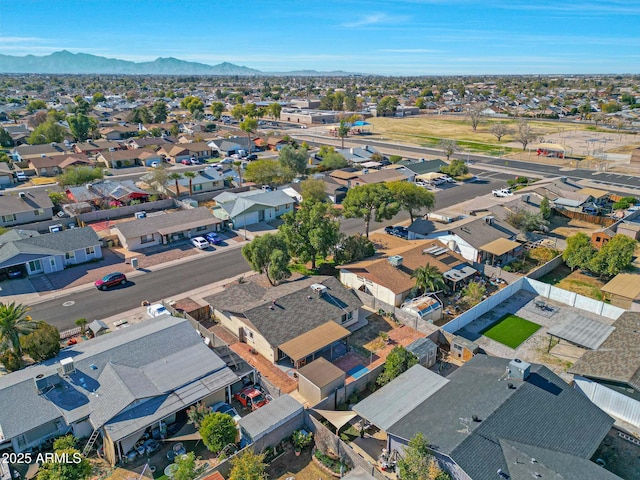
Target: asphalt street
[165,283]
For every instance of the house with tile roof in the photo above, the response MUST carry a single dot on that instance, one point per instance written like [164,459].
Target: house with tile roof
[34,253]
[389,280]
[253,206]
[610,374]
[118,387]
[25,207]
[294,322]
[493,418]
[166,228]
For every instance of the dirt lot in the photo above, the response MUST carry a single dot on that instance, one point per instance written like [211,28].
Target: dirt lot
[621,456]
[565,227]
[300,468]
[576,281]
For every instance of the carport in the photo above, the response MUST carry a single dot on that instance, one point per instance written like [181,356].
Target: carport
[581,331]
[306,346]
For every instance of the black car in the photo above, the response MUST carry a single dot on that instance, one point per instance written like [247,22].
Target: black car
[253,156]
[397,231]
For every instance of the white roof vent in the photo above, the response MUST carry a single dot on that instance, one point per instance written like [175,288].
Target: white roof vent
[318,288]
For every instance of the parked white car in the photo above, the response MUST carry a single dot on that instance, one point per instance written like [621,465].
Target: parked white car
[156,310]
[422,184]
[504,192]
[200,242]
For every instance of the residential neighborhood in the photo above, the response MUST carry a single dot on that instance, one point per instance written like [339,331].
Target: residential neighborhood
[331,276]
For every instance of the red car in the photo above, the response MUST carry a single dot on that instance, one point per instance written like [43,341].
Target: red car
[111,280]
[251,398]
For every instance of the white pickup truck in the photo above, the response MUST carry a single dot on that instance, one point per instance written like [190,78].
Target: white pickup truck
[503,192]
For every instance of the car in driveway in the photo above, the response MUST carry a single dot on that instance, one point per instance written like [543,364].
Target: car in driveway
[200,242]
[251,398]
[15,272]
[111,280]
[223,407]
[251,157]
[422,184]
[397,231]
[156,310]
[213,238]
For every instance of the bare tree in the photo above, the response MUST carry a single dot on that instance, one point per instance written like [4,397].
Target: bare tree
[474,114]
[597,118]
[449,147]
[524,135]
[499,130]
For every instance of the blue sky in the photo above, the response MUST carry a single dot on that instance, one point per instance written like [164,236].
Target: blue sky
[401,37]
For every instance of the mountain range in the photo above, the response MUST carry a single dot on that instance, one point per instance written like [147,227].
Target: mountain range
[65,62]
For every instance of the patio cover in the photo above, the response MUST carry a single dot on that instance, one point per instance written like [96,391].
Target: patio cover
[314,340]
[337,418]
[582,331]
[624,285]
[430,176]
[500,246]
[457,274]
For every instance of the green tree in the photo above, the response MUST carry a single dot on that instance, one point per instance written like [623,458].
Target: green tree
[187,468]
[82,323]
[398,361]
[614,256]
[175,176]
[58,198]
[369,201]
[160,111]
[545,208]
[293,159]
[76,468]
[43,343]
[97,98]
[448,147]
[190,176]
[248,466]
[79,176]
[428,279]
[218,430]
[192,104]
[11,361]
[141,115]
[237,112]
[579,251]
[456,168]
[342,131]
[34,105]
[81,105]
[217,108]
[624,203]
[311,231]
[274,110]
[387,106]
[81,126]
[249,125]
[14,324]
[411,197]
[417,462]
[5,138]
[268,254]
[47,132]
[473,293]
[197,413]
[353,248]
[313,190]
[395,159]
[158,178]
[268,172]
[333,161]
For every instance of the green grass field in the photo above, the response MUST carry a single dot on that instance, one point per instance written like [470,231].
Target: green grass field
[511,330]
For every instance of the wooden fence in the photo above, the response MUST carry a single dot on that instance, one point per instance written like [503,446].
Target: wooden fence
[585,217]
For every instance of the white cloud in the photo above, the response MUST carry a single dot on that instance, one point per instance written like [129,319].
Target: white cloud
[376,19]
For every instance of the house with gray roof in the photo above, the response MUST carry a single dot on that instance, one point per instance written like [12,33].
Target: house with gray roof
[208,180]
[33,253]
[610,374]
[296,321]
[166,228]
[25,207]
[124,385]
[358,154]
[494,418]
[254,206]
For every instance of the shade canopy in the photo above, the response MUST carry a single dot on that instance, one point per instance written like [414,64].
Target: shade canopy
[500,246]
[337,418]
[314,340]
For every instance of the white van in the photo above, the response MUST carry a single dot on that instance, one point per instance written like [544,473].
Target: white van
[20,176]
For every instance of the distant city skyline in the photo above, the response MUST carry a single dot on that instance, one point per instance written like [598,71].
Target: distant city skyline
[401,37]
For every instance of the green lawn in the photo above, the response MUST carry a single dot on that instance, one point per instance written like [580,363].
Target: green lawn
[511,330]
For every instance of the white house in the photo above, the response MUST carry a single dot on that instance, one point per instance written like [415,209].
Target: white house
[248,208]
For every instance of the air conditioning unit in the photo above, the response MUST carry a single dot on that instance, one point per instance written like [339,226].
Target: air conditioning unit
[318,288]
[67,366]
[395,260]
[55,228]
[142,214]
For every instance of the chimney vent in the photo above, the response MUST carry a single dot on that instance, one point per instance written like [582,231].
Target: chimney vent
[22,194]
[475,418]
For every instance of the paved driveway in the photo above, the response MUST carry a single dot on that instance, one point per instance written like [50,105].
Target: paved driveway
[16,286]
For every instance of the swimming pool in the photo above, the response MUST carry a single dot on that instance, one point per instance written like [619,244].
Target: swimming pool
[358,371]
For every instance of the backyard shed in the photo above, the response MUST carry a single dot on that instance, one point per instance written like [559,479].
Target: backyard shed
[273,422]
[319,379]
[98,327]
[425,350]
[463,348]
[194,309]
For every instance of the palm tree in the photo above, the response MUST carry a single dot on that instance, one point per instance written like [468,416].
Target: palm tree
[428,279]
[14,323]
[190,176]
[473,293]
[175,176]
[238,165]
[343,131]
